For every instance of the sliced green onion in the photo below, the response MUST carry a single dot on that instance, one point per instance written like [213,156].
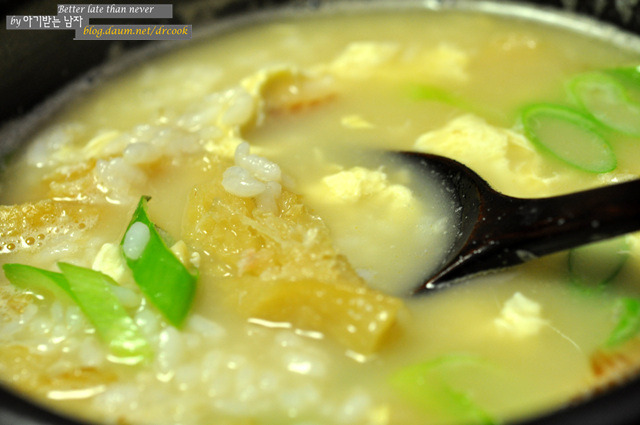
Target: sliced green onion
[606,100]
[426,385]
[629,77]
[593,266]
[96,298]
[436,94]
[165,281]
[468,409]
[568,135]
[93,292]
[627,326]
[41,283]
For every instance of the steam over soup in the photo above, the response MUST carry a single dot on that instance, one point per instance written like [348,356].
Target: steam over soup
[216,236]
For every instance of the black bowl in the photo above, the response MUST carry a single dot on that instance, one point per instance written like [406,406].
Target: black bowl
[36,65]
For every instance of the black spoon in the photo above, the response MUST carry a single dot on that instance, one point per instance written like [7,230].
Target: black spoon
[498,231]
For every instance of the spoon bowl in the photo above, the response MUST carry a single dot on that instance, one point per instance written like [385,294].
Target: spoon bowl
[497,231]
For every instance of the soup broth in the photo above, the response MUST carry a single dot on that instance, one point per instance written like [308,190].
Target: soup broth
[261,153]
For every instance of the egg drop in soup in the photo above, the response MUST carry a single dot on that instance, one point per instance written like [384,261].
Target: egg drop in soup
[218,234]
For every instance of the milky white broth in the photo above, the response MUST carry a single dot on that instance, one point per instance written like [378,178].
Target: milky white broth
[321,97]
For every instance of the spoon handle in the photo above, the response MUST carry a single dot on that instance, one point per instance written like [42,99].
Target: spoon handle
[563,222]
[528,228]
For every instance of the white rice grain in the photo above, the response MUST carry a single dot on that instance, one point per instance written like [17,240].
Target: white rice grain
[261,168]
[116,397]
[74,319]
[126,296]
[240,182]
[239,107]
[29,312]
[40,325]
[197,120]
[141,153]
[170,349]
[269,382]
[208,329]
[212,363]
[246,388]
[211,133]
[56,311]
[135,240]
[149,324]
[355,408]
[219,387]
[90,352]
[53,147]
[296,400]
[187,376]
[59,333]
[303,364]
[267,200]
[118,179]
